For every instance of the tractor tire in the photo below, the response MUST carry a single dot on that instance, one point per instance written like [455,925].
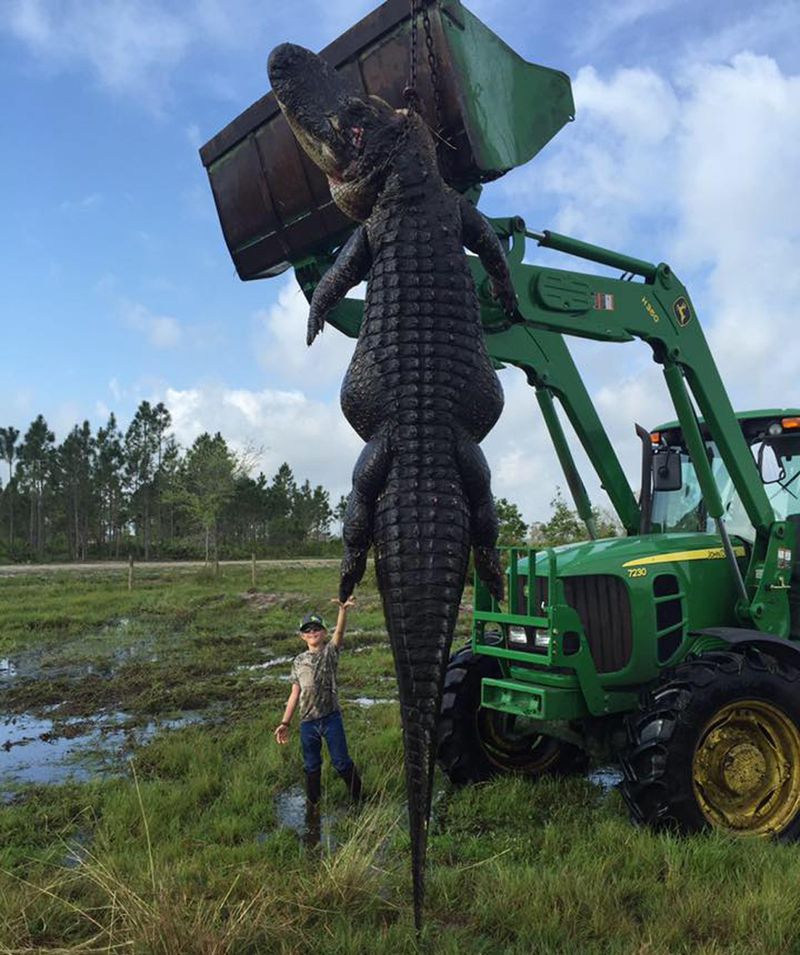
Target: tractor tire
[716,743]
[476,743]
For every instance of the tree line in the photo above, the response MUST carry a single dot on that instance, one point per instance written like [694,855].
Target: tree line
[108,494]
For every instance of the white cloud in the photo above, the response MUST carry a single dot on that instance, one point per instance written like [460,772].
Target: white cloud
[82,204]
[281,343]
[129,45]
[613,166]
[770,25]
[312,436]
[740,213]
[701,172]
[133,48]
[610,17]
[161,331]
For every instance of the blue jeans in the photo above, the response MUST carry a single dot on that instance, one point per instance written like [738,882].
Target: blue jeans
[331,729]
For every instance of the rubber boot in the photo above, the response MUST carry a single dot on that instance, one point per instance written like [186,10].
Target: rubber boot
[313,833]
[353,782]
[314,787]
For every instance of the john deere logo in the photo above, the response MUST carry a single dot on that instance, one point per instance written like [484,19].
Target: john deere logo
[682,311]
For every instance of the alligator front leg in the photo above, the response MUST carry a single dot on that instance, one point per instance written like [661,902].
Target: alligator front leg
[484,525]
[369,477]
[480,238]
[351,267]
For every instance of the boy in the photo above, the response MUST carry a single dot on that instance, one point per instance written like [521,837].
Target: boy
[314,689]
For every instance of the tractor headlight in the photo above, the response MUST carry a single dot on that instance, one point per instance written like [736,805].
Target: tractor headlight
[517,635]
[541,639]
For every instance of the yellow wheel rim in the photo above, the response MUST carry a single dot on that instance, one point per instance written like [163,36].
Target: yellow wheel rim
[513,748]
[746,768]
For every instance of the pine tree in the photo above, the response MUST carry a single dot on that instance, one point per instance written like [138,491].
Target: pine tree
[35,467]
[8,440]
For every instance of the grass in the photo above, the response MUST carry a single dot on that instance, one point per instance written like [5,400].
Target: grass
[182,851]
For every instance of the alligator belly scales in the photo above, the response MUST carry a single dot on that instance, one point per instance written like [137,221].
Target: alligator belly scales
[420,390]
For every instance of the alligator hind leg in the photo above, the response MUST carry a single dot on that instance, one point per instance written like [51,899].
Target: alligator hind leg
[483,518]
[369,476]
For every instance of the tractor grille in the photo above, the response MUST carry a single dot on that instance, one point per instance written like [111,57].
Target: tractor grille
[603,604]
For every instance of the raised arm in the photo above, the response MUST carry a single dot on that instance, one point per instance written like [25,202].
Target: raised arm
[479,237]
[351,266]
[341,620]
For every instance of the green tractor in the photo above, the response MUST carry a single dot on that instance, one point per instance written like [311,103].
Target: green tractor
[680,642]
[676,644]
[648,644]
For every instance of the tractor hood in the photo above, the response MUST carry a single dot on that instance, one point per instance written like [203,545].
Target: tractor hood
[619,555]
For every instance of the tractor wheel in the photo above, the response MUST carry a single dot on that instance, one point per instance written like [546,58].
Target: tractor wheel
[476,743]
[717,743]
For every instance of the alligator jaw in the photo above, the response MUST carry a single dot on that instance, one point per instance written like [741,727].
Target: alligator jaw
[311,96]
[347,133]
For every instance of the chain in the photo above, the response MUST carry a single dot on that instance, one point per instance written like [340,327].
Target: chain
[410,94]
[437,93]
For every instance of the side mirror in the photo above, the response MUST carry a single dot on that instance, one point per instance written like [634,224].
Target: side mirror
[667,471]
[769,464]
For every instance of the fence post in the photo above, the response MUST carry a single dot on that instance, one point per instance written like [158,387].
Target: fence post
[254,571]
[130,571]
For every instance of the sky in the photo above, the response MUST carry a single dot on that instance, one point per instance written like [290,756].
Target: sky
[118,287]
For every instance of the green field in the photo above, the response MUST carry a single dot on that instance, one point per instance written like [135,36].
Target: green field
[181,832]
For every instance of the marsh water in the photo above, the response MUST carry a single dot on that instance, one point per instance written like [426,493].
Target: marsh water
[48,746]
[67,711]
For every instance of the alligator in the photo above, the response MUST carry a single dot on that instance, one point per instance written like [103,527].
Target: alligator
[420,390]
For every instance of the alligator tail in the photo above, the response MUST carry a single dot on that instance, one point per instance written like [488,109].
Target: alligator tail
[422,540]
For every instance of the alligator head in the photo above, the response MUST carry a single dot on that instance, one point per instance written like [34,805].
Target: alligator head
[349,135]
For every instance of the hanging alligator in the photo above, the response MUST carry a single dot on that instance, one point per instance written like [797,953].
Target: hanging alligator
[420,390]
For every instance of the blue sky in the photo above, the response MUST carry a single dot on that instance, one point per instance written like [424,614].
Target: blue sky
[118,286]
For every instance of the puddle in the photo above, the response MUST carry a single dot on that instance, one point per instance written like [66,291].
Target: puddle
[69,659]
[367,701]
[40,750]
[7,669]
[606,777]
[267,664]
[312,826]
[77,850]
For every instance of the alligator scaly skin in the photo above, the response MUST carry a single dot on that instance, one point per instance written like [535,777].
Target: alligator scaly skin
[420,389]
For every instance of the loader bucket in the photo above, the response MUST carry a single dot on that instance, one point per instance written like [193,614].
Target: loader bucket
[498,111]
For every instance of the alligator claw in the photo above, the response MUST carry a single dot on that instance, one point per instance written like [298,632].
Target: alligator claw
[315,325]
[487,564]
[504,293]
[353,567]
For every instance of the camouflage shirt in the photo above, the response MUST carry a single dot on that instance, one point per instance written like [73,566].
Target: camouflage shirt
[316,675]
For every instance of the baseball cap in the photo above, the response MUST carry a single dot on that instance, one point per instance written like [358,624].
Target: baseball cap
[311,621]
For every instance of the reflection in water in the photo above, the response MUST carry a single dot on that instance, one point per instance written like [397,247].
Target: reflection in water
[607,777]
[7,669]
[40,750]
[313,826]
[274,662]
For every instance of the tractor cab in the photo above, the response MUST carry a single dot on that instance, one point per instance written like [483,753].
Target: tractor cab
[677,502]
